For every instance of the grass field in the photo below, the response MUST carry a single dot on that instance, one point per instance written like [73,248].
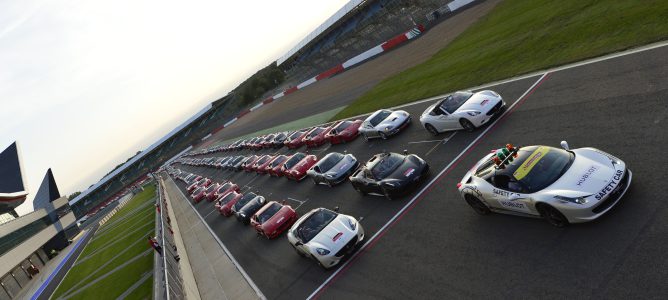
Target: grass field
[518,37]
[120,240]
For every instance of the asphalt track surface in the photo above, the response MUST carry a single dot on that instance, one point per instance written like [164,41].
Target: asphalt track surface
[436,247]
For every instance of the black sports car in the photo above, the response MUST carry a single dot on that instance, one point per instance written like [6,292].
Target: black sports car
[249,209]
[389,174]
[333,168]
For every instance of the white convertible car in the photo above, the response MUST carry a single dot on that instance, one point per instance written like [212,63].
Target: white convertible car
[560,185]
[462,110]
[325,236]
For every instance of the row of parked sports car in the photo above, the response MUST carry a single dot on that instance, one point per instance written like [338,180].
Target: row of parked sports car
[562,186]
[386,174]
[461,110]
[322,234]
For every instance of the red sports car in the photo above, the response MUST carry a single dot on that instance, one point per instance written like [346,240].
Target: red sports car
[226,188]
[273,218]
[225,202]
[274,167]
[204,182]
[296,139]
[198,194]
[298,171]
[267,139]
[316,137]
[247,165]
[262,163]
[209,193]
[344,131]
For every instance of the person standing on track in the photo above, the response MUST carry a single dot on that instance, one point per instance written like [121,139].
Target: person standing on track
[154,244]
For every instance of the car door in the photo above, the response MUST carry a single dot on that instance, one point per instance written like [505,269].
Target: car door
[510,198]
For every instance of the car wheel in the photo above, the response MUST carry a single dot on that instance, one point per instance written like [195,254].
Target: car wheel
[382,135]
[477,205]
[431,129]
[468,126]
[552,216]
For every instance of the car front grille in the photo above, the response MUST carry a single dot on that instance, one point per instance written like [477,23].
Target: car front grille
[614,195]
[347,248]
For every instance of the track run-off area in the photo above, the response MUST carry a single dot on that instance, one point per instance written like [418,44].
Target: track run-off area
[431,244]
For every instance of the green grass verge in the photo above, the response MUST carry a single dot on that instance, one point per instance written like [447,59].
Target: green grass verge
[518,37]
[115,284]
[143,292]
[136,201]
[117,240]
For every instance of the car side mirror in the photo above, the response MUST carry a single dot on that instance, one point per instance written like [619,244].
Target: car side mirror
[514,197]
[336,208]
[564,145]
[299,243]
[405,151]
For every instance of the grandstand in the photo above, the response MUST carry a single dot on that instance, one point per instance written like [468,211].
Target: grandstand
[358,26]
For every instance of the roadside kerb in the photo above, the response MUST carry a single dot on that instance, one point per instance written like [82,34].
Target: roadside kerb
[217,273]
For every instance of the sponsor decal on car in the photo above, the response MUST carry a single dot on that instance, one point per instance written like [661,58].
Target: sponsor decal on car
[609,187]
[530,162]
[586,175]
[280,220]
[514,205]
[409,172]
[337,237]
[504,193]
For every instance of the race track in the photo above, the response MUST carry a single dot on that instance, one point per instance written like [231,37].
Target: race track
[430,244]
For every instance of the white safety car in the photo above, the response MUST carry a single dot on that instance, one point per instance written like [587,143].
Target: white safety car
[326,236]
[384,123]
[560,185]
[462,110]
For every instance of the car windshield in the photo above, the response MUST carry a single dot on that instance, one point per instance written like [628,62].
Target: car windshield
[224,187]
[252,205]
[452,102]
[295,135]
[268,212]
[198,190]
[342,126]
[294,160]
[387,165]
[382,115]
[277,161]
[244,200]
[316,132]
[211,188]
[264,159]
[537,167]
[315,223]
[329,161]
[227,198]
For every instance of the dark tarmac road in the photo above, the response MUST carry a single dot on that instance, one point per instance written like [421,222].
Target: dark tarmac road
[439,248]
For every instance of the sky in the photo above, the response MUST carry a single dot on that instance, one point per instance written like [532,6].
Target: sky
[84,85]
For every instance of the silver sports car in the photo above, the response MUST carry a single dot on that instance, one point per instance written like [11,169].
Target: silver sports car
[384,123]
[462,110]
[560,185]
[333,169]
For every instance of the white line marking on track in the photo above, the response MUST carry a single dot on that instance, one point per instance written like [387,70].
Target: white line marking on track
[422,191]
[443,141]
[429,141]
[298,201]
[229,254]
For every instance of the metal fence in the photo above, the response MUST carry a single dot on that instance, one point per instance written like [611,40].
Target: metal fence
[171,279]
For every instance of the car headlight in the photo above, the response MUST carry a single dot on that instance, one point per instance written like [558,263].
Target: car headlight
[387,129]
[473,113]
[322,251]
[242,215]
[577,200]
[352,223]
